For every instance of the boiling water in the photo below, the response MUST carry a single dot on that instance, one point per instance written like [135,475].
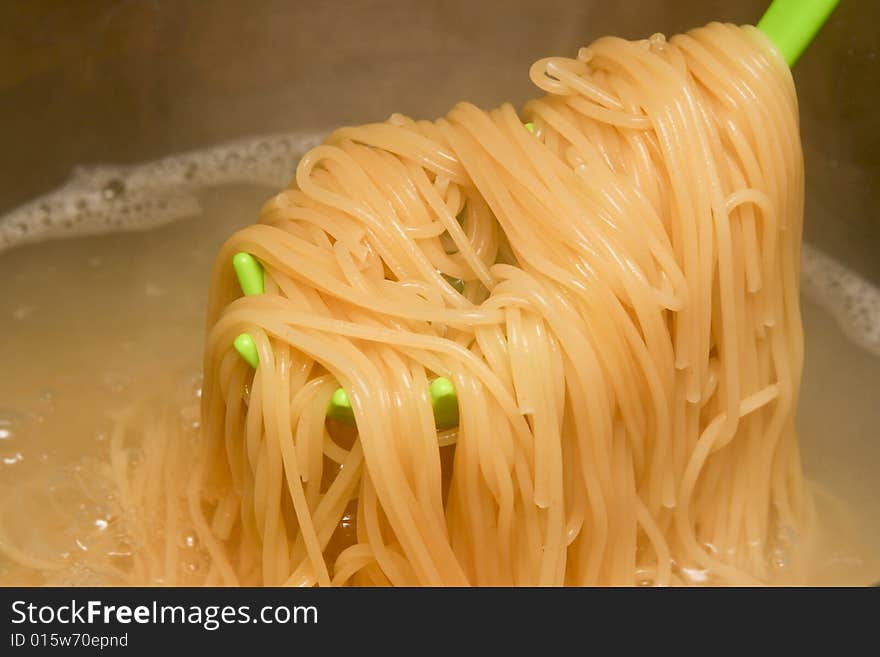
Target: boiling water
[115,313]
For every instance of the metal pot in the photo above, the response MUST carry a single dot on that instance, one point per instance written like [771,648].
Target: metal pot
[122,81]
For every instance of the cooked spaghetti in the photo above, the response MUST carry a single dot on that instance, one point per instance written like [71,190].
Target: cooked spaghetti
[626,347]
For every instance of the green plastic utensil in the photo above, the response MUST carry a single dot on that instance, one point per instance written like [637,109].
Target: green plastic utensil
[456,283]
[249,272]
[251,280]
[339,408]
[444,403]
[792,24]
[244,345]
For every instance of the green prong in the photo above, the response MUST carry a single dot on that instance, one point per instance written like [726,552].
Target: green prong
[530,127]
[445,403]
[249,272]
[339,408]
[244,345]
[456,283]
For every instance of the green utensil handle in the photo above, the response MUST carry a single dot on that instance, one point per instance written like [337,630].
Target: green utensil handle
[792,24]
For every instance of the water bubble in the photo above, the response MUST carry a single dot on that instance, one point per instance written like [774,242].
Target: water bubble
[657,42]
[113,189]
[22,312]
[189,386]
[188,540]
[12,459]
[10,423]
[779,559]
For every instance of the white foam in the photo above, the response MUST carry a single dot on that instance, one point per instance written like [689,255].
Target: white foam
[118,198]
[853,301]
